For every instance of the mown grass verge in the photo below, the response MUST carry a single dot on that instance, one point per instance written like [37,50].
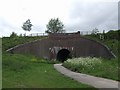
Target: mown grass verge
[27,71]
[94,66]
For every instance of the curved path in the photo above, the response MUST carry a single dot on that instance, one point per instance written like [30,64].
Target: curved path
[96,82]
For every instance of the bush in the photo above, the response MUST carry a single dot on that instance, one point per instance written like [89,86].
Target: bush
[94,66]
[79,64]
[113,35]
[13,35]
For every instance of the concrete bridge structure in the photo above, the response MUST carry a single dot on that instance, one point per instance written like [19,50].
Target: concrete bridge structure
[61,46]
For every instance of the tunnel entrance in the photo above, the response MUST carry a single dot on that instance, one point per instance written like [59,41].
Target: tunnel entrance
[63,55]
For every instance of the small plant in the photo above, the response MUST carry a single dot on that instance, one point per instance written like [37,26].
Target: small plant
[53,61]
[34,60]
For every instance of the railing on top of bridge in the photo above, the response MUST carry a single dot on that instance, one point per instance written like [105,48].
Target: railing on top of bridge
[64,35]
[67,33]
[85,32]
[38,34]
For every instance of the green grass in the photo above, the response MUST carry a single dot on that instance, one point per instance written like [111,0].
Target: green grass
[94,66]
[9,42]
[20,71]
[27,71]
[112,44]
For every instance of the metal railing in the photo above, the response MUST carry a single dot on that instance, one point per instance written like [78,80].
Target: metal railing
[45,34]
[38,34]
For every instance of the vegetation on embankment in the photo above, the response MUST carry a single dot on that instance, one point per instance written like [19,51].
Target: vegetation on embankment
[98,66]
[111,39]
[27,71]
[94,66]
[9,42]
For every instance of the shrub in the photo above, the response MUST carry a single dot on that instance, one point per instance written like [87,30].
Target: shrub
[13,35]
[84,62]
[94,66]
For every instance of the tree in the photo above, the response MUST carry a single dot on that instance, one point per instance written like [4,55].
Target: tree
[95,31]
[13,35]
[55,26]
[27,25]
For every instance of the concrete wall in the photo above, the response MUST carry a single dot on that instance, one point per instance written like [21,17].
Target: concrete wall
[77,45]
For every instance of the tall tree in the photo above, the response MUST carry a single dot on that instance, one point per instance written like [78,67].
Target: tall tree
[27,25]
[55,26]
[95,31]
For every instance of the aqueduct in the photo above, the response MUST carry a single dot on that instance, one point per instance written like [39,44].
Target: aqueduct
[61,46]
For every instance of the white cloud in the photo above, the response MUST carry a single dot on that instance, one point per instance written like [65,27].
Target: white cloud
[75,14]
[88,15]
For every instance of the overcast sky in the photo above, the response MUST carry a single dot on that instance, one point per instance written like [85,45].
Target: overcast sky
[82,15]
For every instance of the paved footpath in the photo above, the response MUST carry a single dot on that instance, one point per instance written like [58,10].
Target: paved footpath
[88,79]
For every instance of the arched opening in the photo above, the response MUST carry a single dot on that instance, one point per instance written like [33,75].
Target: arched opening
[63,55]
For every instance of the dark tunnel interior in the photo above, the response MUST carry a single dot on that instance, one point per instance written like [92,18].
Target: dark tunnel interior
[63,55]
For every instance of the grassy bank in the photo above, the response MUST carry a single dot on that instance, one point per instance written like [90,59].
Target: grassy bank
[94,66]
[111,39]
[27,71]
[9,42]
[112,44]
[20,71]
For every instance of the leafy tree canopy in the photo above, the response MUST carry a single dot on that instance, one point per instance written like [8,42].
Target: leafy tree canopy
[55,26]
[95,31]
[27,25]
